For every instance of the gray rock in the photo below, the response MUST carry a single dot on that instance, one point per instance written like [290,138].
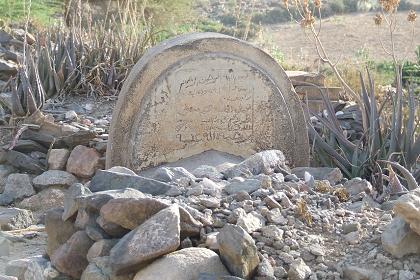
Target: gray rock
[238,251]
[299,270]
[108,180]
[122,169]
[111,229]
[185,264]
[248,185]
[169,174]
[99,269]
[70,199]
[207,171]
[27,146]
[36,268]
[58,231]
[57,159]
[15,218]
[357,273]
[333,175]
[5,171]
[101,248]
[54,178]
[5,277]
[162,232]
[5,245]
[95,232]
[70,258]
[44,200]
[266,162]
[18,186]
[358,185]
[251,222]
[399,240]
[24,162]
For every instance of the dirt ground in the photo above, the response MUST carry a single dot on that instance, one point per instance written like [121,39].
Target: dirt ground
[345,37]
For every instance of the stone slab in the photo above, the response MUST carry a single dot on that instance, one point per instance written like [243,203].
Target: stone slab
[205,91]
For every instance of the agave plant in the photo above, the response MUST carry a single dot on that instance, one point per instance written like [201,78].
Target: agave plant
[391,141]
[28,94]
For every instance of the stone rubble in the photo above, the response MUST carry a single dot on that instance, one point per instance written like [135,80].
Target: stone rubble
[254,221]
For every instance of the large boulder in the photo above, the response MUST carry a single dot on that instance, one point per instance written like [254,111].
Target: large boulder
[399,240]
[112,180]
[70,258]
[186,264]
[54,178]
[265,162]
[15,218]
[18,186]
[157,236]
[58,231]
[83,161]
[408,207]
[238,251]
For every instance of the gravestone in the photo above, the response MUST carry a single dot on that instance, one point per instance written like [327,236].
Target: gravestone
[205,91]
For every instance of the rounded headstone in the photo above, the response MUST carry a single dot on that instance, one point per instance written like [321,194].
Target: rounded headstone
[205,91]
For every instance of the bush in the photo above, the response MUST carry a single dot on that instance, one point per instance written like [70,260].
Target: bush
[277,15]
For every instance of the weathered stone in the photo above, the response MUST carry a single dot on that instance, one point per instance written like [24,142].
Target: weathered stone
[111,229]
[27,146]
[44,200]
[358,273]
[83,161]
[108,180]
[186,264]
[95,232]
[248,185]
[333,175]
[70,258]
[5,171]
[58,231]
[24,162]
[358,185]
[99,269]
[70,199]
[162,232]
[5,245]
[57,158]
[273,232]
[303,78]
[85,217]
[299,270]
[5,277]
[169,174]
[408,207]
[15,218]
[238,251]
[205,68]
[18,186]
[36,268]
[101,248]
[207,171]
[265,270]
[54,178]
[251,222]
[399,240]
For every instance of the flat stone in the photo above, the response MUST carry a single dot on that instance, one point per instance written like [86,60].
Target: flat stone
[238,251]
[27,146]
[207,171]
[399,240]
[108,180]
[359,273]
[122,169]
[333,175]
[54,178]
[169,174]
[248,185]
[70,199]
[206,86]
[24,162]
[44,200]
[70,258]
[185,264]
[101,248]
[162,232]
[15,218]
[83,161]
[265,162]
[58,231]
[57,159]
[18,186]
[408,207]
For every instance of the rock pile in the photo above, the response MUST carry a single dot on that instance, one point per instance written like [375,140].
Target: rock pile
[257,219]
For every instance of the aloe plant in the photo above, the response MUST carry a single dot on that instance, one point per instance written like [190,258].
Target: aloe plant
[385,139]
